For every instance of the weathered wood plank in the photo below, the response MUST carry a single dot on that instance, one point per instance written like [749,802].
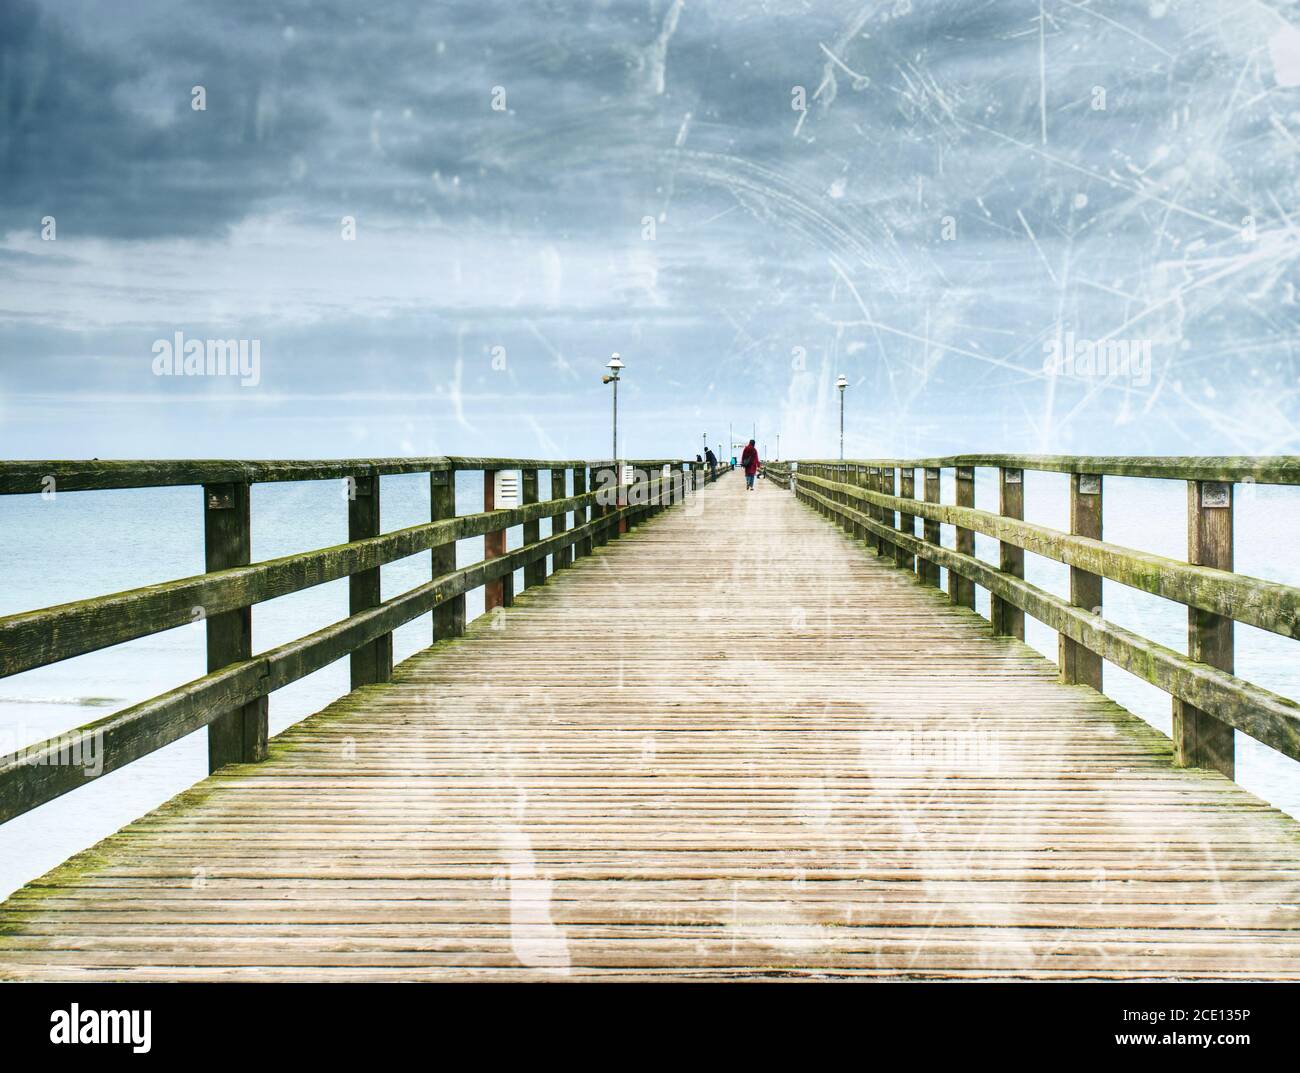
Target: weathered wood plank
[1079,665]
[449,617]
[373,661]
[927,565]
[237,734]
[1261,469]
[961,590]
[1008,620]
[60,475]
[1200,740]
[560,522]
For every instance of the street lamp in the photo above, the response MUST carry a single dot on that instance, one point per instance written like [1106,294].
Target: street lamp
[614,366]
[842,383]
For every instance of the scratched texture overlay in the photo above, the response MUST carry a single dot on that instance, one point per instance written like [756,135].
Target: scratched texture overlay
[418,228]
[1042,225]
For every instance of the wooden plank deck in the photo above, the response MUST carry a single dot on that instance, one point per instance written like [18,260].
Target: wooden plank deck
[732,744]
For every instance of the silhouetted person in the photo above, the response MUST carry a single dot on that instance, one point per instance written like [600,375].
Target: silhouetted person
[712,460]
[749,459]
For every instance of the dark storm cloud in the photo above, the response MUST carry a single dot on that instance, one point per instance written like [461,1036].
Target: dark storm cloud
[775,229]
[79,143]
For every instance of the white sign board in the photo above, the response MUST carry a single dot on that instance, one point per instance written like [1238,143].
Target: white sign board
[505,489]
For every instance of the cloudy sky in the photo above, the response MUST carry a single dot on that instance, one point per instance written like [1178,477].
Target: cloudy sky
[743,199]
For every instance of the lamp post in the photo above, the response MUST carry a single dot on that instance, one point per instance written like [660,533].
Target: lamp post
[614,366]
[842,383]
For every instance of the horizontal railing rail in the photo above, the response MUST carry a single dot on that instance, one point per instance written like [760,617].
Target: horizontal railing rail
[778,473]
[25,478]
[877,500]
[231,698]
[1235,469]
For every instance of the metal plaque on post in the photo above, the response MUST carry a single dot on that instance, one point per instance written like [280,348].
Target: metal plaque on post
[505,489]
[1216,494]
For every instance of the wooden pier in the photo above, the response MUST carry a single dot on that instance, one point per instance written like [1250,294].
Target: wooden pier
[713,736]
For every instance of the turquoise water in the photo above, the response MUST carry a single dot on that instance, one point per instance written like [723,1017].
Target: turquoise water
[89,543]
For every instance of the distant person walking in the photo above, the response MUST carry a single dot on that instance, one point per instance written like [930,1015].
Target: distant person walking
[749,459]
[712,460]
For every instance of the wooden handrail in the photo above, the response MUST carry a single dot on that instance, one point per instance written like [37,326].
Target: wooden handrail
[1265,716]
[32,639]
[1239,469]
[27,478]
[1269,605]
[1210,700]
[34,774]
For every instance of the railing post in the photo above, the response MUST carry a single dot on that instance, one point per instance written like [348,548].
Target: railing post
[631,499]
[499,592]
[448,617]
[850,474]
[929,569]
[1009,620]
[907,522]
[1200,740]
[535,571]
[888,517]
[961,591]
[855,479]
[844,497]
[877,479]
[1078,665]
[866,481]
[624,502]
[372,662]
[612,493]
[562,557]
[580,516]
[620,490]
[237,736]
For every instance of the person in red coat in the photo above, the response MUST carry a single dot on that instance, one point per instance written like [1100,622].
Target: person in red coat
[749,459]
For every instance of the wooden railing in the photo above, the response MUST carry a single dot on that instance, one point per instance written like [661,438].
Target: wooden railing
[231,699]
[877,500]
[779,473]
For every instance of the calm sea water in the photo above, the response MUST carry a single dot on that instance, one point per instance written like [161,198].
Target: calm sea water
[84,544]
